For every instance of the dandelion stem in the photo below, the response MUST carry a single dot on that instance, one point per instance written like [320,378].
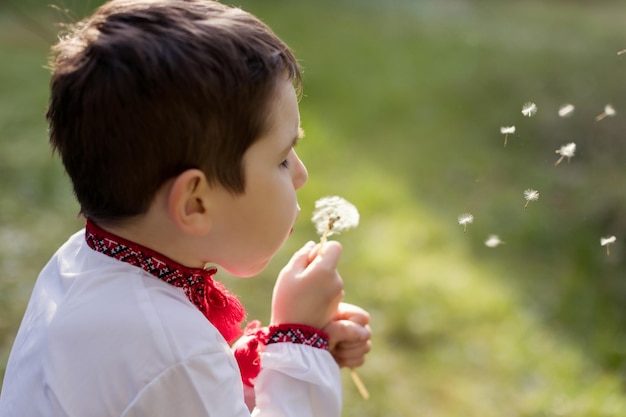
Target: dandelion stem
[330,225]
[359,384]
[324,238]
[601,116]
[526,205]
[560,159]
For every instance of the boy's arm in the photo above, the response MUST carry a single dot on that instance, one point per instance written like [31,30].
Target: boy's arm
[299,376]
[349,341]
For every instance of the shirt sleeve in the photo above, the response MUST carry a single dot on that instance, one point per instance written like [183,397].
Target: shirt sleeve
[297,381]
[206,385]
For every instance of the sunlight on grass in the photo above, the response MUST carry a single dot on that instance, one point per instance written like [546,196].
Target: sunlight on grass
[450,332]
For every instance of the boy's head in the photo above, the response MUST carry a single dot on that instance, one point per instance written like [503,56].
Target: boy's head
[146,89]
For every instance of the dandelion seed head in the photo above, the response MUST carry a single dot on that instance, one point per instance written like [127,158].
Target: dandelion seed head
[465,219]
[566,110]
[333,215]
[567,150]
[505,130]
[493,241]
[607,240]
[531,195]
[529,109]
[609,110]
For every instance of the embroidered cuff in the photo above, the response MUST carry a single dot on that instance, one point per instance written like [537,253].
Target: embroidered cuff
[248,349]
[298,334]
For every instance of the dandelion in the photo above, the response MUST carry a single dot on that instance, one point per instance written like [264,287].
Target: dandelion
[530,195]
[566,110]
[333,215]
[493,241]
[607,241]
[609,111]
[464,220]
[566,151]
[505,130]
[529,109]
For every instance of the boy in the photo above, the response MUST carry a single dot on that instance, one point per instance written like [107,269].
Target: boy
[176,122]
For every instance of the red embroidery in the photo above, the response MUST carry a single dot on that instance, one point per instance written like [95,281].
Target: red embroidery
[297,333]
[220,306]
[249,348]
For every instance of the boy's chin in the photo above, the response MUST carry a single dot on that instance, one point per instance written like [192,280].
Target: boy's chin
[249,271]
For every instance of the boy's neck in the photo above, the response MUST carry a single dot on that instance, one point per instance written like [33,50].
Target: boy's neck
[155,231]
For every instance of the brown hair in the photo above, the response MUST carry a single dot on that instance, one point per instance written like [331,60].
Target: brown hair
[145,89]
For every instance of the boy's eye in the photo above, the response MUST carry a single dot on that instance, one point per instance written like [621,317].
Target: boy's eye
[285,163]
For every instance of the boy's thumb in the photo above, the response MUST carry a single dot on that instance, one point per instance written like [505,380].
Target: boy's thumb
[329,254]
[300,259]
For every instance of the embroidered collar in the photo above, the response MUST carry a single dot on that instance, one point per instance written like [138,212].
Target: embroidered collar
[220,306]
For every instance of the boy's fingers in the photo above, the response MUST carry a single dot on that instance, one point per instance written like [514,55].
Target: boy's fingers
[351,354]
[346,331]
[353,349]
[354,332]
[356,314]
[350,359]
[327,255]
[300,259]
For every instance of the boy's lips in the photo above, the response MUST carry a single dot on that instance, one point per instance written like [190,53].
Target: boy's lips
[295,220]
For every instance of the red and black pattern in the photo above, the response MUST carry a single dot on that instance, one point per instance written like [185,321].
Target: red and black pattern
[249,348]
[299,334]
[220,306]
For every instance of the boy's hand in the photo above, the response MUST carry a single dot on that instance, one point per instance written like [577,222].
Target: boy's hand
[309,288]
[349,334]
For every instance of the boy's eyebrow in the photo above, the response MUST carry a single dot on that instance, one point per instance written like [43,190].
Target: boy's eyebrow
[295,140]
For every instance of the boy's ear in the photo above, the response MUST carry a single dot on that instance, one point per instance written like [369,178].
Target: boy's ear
[188,203]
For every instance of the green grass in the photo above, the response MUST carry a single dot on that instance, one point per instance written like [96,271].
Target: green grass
[402,109]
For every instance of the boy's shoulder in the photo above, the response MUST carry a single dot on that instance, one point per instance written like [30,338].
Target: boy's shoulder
[91,291]
[108,328]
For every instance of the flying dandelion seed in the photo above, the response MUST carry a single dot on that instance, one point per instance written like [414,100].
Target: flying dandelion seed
[566,110]
[506,130]
[609,111]
[607,241]
[566,151]
[493,241]
[465,219]
[530,195]
[333,215]
[623,51]
[529,109]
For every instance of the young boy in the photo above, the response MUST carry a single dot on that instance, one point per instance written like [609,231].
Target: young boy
[176,122]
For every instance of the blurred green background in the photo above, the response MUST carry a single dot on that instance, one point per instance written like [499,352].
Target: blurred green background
[403,104]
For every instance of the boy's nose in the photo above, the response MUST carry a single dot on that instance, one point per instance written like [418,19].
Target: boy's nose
[300,174]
